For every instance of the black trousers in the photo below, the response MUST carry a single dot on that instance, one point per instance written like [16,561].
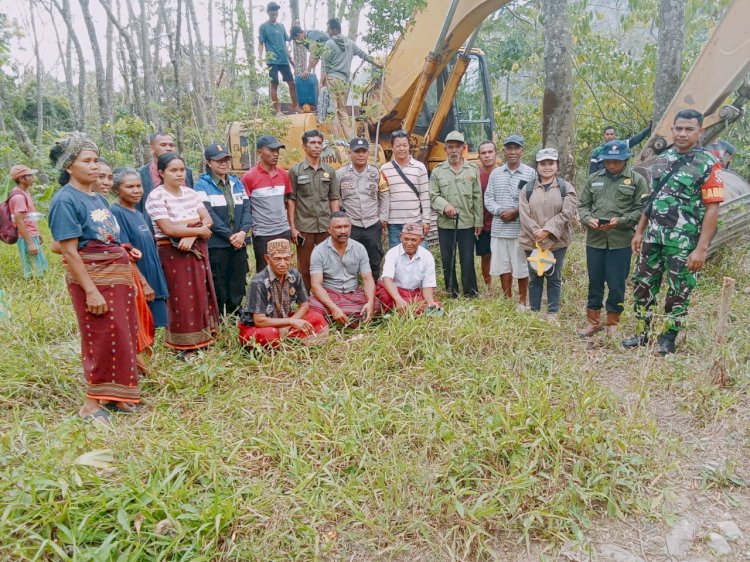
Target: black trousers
[465,241]
[229,270]
[259,247]
[372,239]
[611,267]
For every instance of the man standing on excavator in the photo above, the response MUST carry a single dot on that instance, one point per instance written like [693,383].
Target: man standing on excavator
[337,64]
[675,229]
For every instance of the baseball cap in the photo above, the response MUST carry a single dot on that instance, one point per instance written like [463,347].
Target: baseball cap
[19,171]
[455,136]
[615,150]
[268,140]
[514,139]
[215,151]
[547,154]
[359,143]
[272,7]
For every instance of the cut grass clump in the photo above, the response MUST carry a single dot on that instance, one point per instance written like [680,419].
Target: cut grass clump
[434,436]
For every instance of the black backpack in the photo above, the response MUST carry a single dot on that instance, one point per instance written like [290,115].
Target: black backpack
[530,187]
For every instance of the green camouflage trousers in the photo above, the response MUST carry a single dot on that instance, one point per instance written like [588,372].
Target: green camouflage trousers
[654,261]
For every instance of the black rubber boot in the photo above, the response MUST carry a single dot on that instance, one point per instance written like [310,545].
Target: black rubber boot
[637,340]
[665,343]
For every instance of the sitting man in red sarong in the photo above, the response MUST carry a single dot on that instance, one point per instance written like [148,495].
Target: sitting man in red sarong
[409,275]
[267,316]
[335,266]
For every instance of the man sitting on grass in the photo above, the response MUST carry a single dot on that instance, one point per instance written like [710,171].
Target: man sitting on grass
[409,275]
[267,316]
[335,266]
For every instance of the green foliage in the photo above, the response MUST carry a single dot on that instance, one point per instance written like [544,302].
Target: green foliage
[388,19]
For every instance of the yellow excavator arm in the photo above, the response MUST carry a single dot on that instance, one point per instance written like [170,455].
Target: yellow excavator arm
[417,57]
[723,63]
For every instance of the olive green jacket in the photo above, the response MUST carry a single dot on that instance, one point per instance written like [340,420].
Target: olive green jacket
[462,190]
[605,197]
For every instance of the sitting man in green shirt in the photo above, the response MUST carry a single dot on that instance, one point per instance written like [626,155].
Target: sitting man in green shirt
[610,205]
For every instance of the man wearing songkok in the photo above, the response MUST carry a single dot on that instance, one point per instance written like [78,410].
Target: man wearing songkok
[335,267]
[268,316]
[408,274]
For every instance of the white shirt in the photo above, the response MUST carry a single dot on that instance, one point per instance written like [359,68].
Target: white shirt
[415,273]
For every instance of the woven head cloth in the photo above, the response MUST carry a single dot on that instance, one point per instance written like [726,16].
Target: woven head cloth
[412,228]
[75,144]
[278,247]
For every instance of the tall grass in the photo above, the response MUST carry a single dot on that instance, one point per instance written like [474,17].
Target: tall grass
[434,438]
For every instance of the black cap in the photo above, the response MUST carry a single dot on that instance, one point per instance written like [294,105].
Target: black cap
[268,140]
[514,139]
[215,151]
[294,31]
[358,143]
[272,7]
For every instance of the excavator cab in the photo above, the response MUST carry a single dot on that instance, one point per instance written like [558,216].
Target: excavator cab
[471,111]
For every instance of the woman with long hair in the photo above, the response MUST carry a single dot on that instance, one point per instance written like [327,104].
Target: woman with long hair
[181,227]
[100,281]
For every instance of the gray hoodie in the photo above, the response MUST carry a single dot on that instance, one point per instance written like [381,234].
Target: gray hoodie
[338,55]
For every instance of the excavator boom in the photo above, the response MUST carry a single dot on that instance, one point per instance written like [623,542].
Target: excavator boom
[722,64]
[406,60]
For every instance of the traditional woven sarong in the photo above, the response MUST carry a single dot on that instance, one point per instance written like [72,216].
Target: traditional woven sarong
[271,337]
[350,303]
[108,342]
[412,296]
[192,309]
[145,318]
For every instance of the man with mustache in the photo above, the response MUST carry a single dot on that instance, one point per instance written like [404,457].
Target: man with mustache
[455,190]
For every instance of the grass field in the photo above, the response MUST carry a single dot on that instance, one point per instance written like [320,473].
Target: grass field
[439,438]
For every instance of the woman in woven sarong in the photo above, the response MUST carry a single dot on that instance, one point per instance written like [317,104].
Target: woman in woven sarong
[181,227]
[100,281]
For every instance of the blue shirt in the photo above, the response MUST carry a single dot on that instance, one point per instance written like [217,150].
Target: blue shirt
[274,37]
[135,231]
[86,216]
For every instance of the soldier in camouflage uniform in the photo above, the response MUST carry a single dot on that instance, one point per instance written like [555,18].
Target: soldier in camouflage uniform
[675,229]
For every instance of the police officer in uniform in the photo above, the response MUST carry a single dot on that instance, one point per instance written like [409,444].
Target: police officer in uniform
[610,205]
[365,199]
[675,229]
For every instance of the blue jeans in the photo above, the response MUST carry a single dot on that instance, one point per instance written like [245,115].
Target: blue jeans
[554,284]
[394,235]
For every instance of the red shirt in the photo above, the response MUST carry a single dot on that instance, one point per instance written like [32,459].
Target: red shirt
[267,192]
[484,178]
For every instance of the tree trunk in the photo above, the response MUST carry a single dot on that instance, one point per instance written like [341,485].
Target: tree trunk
[354,11]
[669,54]
[174,57]
[64,9]
[110,69]
[66,56]
[557,104]
[298,51]
[105,110]
[39,81]
[331,7]
[198,95]
[247,30]
[144,41]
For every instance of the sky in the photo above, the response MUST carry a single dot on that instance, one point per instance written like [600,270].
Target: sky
[22,51]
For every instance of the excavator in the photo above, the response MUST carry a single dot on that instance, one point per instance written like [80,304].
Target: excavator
[430,88]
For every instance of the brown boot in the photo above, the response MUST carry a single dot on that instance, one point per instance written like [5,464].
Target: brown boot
[613,319]
[594,323]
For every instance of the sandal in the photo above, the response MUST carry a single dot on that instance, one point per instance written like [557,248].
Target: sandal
[132,409]
[100,416]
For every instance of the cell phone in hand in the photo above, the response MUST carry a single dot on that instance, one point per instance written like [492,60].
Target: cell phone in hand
[603,222]
[300,240]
